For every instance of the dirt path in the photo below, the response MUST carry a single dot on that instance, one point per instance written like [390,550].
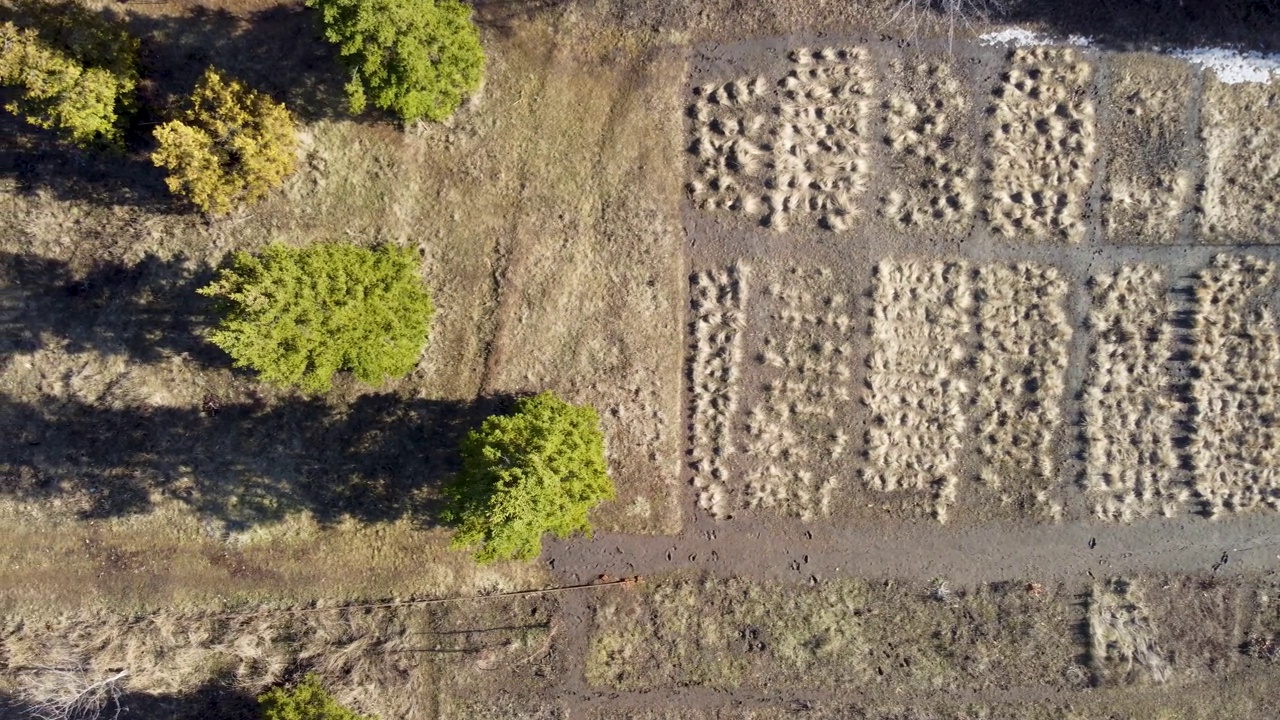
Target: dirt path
[1072,552]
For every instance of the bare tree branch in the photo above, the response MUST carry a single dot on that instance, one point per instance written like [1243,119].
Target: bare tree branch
[60,693]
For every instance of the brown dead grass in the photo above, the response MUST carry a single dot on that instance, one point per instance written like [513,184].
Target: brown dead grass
[1240,125]
[544,215]
[1148,185]
[880,637]
[413,663]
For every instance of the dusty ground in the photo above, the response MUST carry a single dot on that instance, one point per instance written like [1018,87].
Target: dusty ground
[148,491]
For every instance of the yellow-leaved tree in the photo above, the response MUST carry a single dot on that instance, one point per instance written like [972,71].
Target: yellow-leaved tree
[79,84]
[230,146]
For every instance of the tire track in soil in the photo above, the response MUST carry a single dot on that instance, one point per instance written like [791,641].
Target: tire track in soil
[785,551]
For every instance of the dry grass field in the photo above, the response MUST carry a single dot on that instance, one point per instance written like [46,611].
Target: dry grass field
[895,642]
[815,273]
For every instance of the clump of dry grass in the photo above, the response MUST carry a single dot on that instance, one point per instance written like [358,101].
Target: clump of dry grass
[1241,130]
[1236,438]
[1042,146]
[1147,189]
[1023,333]
[921,316]
[384,661]
[794,147]
[718,299]
[931,151]
[1123,646]
[1128,414]
[789,434]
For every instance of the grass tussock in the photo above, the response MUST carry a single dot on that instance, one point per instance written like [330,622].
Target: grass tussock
[718,301]
[778,150]
[1023,333]
[1042,144]
[920,320]
[1236,419]
[924,131]
[390,662]
[1241,131]
[1128,410]
[1147,187]
[1123,648]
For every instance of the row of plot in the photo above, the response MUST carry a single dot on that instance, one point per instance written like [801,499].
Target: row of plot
[895,639]
[801,149]
[963,371]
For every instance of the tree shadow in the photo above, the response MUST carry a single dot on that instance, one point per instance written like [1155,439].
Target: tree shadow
[212,701]
[381,458]
[1126,24]
[147,310]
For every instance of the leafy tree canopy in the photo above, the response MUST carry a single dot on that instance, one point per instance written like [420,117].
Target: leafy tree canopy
[415,58]
[75,70]
[230,146]
[307,701]
[298,315]
[535,471]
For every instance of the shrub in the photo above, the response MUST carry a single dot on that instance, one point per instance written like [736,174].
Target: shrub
[75,71]
[415,58]
[307,701]
[298,315]
[537,470]
[230,146]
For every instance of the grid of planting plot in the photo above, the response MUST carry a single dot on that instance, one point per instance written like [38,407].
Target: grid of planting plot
[1149,186]
[1041,146]
[1235,448]
[794,148]
[1240,125]
[1129,408]
[718,299]
[1023,333]
[922,314]
[930,153]
[793,432]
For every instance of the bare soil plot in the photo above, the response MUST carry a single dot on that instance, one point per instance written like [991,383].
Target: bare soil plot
[1150,178]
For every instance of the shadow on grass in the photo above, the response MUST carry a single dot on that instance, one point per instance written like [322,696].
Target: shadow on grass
[1250,24]
[208,702]
[381,458]
[504,15]
[147,310]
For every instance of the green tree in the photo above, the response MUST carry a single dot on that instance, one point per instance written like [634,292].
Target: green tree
[231,145]
[415,58]
[298,315]
[75,71]
[535,471]
[307,701]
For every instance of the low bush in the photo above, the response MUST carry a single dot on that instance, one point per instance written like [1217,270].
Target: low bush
[308,701]
[232,145]
[538,470]
[298,315]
